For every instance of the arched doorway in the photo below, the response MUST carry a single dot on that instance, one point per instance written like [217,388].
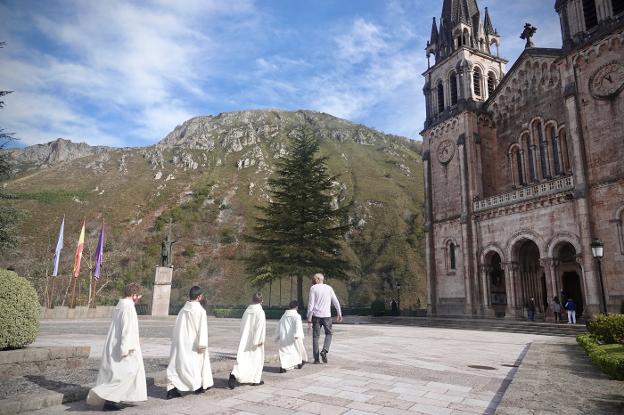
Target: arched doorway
[569,273]
[531,281]
[496,279]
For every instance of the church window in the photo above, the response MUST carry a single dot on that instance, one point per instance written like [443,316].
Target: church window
[554,142]
[620,228]
[491,83]
[589,12]
[453,86]
[519,166]
[465,37]
[565,155]
[440,97]
[530,152]
[618,6]
[476,81]
[543,149]
[452,260]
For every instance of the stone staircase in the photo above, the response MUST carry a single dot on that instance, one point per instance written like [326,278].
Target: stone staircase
[483,324]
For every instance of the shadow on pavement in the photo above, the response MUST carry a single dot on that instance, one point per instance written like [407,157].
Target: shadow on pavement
[71,391]
[609,404]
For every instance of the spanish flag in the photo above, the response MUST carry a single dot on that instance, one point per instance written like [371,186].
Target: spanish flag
[79,249]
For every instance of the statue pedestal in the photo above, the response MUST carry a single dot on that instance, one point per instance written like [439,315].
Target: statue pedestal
[162,291]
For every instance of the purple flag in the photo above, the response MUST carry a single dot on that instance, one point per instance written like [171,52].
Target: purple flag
[99,254]
[59,247]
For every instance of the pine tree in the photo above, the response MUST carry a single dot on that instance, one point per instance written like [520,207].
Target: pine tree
[9,216]
[299,233]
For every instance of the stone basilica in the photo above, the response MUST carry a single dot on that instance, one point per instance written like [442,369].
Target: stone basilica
[524,168]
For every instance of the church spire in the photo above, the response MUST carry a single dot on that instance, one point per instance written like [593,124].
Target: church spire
[461,26]
[487,24]
[434,33]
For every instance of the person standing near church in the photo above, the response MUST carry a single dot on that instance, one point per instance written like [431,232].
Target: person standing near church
[121,376]
[250,356]
[189,367]
[570,307]
[321,298]
[292,352]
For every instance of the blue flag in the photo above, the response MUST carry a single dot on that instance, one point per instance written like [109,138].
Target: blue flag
[99,254]
[59,247]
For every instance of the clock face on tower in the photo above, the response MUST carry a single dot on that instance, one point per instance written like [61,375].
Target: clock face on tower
[446,151]
[608,81]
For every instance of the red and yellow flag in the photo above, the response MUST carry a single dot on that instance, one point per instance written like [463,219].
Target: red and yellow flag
[79,248]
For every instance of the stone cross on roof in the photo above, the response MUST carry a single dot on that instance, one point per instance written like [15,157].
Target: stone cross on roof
[529,31]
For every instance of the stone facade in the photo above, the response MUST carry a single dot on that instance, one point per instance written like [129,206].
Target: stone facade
[523,169]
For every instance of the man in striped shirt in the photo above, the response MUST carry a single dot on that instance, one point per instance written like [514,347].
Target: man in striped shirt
[322,296]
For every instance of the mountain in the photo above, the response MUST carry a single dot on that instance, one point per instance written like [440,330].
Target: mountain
[205,178]
[54,152]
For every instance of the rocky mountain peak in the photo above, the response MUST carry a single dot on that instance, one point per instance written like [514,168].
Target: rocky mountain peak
[54,152]
[234,130]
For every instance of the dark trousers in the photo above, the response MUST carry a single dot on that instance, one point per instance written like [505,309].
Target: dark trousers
[326,323]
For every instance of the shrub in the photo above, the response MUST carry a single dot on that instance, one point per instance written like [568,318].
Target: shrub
[19,311]
[607,328]
[378,308]
[609,360]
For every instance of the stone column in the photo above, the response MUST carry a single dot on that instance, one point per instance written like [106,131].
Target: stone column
[551,288]
[466,263]
[429,251]
[485,282]
[511,269]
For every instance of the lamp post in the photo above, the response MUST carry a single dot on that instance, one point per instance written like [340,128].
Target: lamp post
[597,247]
[398,285]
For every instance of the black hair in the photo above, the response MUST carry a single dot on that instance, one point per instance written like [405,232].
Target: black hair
[293,304]
[195,292]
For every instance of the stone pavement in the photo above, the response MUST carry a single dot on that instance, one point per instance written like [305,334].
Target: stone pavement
[375,370]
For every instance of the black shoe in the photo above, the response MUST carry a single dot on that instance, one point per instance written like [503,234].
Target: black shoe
[232,382]
[300,365]
[173,393]
[258,384]
[324,355]
[317,362]
[201,390]
[111,406]
[282,370]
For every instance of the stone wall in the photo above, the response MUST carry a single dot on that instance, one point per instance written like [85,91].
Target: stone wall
[63,312]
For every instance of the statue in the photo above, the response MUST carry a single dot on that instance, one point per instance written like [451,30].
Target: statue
[529,31]
[166,250]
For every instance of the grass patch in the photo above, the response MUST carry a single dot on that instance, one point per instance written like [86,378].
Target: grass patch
[53,196]
[608,357]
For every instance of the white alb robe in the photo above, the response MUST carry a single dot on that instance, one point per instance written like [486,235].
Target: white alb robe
[121,378]
[250,356]
[290,338]
[188,369]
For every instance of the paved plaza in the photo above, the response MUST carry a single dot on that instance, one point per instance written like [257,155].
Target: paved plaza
[375,369]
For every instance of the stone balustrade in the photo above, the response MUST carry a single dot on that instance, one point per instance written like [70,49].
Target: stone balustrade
[534,191]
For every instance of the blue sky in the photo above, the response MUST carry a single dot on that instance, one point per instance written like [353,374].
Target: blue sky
[125,73]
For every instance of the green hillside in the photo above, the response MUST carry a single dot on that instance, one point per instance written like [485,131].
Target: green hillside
[207,176]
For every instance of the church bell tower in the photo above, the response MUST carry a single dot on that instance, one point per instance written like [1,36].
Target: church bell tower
[464,69]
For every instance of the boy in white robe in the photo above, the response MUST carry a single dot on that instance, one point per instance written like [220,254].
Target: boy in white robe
[290,338]
[122,375]
[250,356]
[189,365]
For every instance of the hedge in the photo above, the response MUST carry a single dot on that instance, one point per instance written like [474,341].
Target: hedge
[19,311]
[612,365]
[607,328]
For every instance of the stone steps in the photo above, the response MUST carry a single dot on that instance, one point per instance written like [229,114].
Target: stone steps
[482,324]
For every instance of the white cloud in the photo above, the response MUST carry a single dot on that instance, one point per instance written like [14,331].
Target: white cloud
[121,63]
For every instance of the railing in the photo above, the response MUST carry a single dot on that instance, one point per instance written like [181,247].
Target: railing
[526,193]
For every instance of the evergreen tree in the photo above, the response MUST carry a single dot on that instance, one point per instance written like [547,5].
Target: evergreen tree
[9,216]
[299,232]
